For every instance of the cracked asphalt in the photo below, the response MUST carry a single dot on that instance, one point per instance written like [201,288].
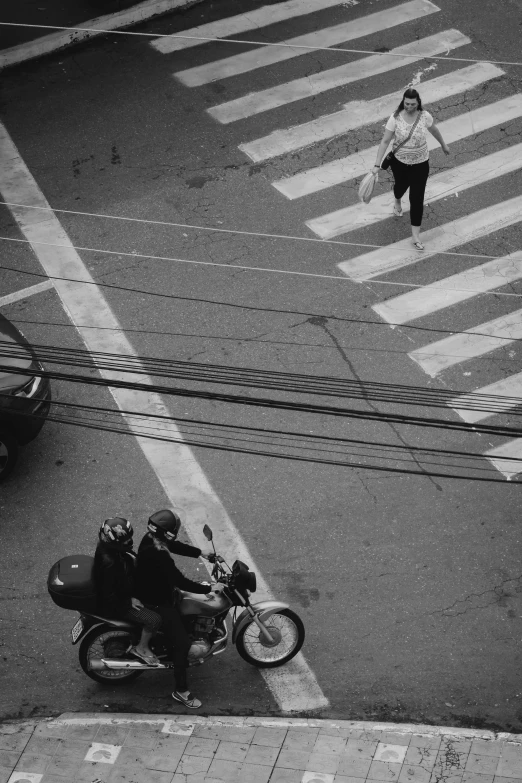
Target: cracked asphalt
[410,586]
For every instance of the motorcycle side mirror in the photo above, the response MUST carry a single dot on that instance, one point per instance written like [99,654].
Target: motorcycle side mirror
[207,532]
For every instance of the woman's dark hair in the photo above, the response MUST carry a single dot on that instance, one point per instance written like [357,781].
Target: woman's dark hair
[410,94]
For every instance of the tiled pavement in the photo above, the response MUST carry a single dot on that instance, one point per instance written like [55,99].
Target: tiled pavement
[90,748]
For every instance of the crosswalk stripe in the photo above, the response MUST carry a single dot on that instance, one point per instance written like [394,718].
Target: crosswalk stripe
[25,293]
[507,459]
[308,86]
[328,36]
[345,169]
[233,25]
[445,183]
[509,388]
[452,290]
[436,240]
[359,113]
[475,342]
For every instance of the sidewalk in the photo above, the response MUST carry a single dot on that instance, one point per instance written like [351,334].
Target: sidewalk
[127,748]
[18,44]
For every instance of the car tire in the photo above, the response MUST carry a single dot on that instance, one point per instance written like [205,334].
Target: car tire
[8,454]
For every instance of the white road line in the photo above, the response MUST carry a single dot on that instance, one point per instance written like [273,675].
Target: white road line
[452,290]
[510,388]
[401,254]
[233,25]
[356,165]
[472,343]
[62,38]
[328,36]
[23,293]
[364,68]
[445,183]
[359,113]
[294,687]
[506,458]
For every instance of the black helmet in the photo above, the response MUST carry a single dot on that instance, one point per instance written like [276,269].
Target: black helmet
[164,525]
[117,533]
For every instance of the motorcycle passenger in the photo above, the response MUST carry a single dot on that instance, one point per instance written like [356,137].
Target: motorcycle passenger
[158,581]
[114,572]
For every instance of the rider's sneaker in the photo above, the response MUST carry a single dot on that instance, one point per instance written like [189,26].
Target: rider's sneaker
[188,700]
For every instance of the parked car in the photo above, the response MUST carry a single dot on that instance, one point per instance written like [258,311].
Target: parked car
[24,399]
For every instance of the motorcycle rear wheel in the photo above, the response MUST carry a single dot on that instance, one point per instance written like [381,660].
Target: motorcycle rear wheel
[106,642]
[253,649]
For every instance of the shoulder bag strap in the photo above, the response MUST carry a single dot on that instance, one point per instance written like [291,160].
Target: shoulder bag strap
[410,134]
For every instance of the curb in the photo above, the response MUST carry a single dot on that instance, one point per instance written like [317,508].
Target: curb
[184,726]
[70,36]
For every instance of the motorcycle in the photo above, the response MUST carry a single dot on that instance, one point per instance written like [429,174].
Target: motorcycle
[266,634]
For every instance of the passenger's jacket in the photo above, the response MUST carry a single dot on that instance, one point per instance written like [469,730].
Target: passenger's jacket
[157,576]
[114,578]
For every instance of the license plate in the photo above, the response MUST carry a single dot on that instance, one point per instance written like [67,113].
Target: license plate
[77,630]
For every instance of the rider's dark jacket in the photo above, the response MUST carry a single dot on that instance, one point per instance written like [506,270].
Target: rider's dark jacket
[114,579]
[157,576]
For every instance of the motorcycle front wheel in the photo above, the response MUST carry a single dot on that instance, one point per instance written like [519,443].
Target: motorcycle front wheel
[106,642]
[287,630]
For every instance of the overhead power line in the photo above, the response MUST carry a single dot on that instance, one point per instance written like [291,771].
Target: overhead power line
[284,44]
[221,303]
[246,440]
[217,230]
[275,404]
[243,267]
[296,383]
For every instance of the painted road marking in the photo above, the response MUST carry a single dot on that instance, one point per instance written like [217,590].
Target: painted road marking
[445,183]
[509,388]
[24,293]
[45,44]
[364,68]
[507,458]
[356,165]
[294,686]
[452,290]
[233,25]
[359,113]
[471,344]
[437,240]
[328,36]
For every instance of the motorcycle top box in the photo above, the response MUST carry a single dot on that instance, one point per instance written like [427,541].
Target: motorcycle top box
[71,584]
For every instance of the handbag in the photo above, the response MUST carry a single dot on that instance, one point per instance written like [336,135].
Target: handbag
[385,163]
[367,187]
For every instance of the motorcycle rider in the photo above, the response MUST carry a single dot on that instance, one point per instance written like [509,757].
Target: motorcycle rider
[158,581]
[114,571]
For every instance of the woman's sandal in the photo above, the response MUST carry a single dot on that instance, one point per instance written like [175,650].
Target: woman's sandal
[397,211]
[189,701]
[150,660]
[418,245]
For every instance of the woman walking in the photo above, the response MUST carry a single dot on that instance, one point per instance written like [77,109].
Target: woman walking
[409,161]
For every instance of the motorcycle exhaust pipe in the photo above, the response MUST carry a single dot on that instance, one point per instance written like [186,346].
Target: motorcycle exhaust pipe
[99,664]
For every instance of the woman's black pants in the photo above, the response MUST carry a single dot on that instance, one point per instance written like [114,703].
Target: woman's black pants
[178,642]
[413,177]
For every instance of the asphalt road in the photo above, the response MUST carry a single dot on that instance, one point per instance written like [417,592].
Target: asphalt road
[409,585]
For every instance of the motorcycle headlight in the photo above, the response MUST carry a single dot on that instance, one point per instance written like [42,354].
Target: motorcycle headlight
[243,578]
